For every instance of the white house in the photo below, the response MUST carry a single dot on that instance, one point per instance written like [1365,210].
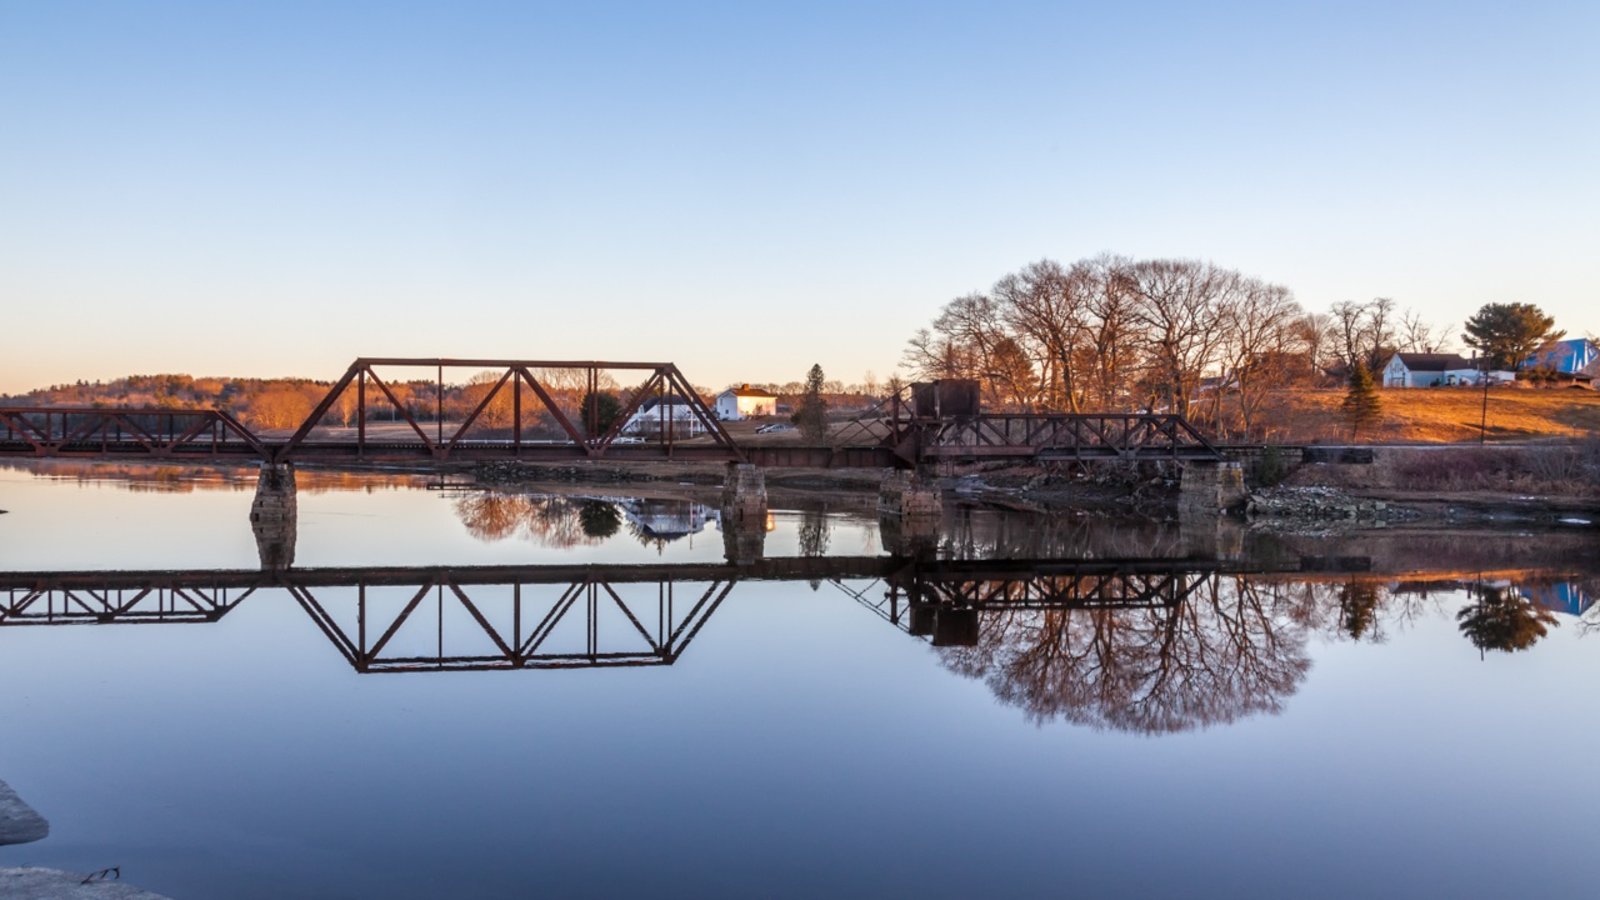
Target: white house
[745,401]
[658,415]
[1435,370]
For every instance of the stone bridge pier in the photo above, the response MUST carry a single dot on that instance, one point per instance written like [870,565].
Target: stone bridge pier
[1211,488]
[910,496]
[274,514]
[744,514]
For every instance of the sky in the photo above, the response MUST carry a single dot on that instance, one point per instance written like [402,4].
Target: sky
[745,189]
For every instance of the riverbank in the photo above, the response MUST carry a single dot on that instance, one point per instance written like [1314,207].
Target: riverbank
[1554,485]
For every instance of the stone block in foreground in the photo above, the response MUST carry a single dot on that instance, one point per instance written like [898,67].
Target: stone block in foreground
[19,824]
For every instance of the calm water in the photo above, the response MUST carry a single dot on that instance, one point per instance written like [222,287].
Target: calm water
[1002,712]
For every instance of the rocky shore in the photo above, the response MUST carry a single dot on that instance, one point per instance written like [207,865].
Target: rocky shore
[1325,504]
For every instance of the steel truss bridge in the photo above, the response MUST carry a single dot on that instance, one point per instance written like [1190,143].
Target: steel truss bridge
[517,411]
[472,618]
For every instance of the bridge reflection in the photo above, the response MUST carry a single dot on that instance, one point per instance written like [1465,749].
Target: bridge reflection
[1147,645]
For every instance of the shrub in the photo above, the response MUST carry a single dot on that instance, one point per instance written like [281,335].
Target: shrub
[1272,467]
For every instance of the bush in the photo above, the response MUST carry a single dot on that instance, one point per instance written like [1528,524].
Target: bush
[1271,468]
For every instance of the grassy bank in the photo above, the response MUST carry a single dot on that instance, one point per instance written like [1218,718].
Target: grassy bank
[1432,415]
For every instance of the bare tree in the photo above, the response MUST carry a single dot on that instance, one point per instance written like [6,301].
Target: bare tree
[1178,308]
[1112,339]
[1258,340]
[1365,331]
[1417,336]
[1044,306]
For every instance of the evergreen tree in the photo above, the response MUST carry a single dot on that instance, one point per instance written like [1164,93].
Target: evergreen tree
[1508,333]
[812,414]
[599,410]
[1362,406]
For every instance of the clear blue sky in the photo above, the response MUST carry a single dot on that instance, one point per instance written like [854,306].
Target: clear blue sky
[747,188]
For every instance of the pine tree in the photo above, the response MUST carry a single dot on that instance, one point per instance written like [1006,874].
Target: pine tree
[812,415]
[1362,406]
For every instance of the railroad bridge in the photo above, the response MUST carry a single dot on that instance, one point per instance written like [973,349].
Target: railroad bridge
[552,411]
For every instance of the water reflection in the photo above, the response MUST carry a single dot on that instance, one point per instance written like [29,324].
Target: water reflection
[562,521]
[1136,644]
[189,477]
[1500,619]
[1183,652]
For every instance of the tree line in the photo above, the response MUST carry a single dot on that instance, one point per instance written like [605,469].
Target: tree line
[1166,335]
[284,403]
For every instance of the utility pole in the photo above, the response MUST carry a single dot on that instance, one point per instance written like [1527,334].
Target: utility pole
[1483,422]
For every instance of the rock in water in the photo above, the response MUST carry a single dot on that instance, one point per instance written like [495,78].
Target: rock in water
[19,824]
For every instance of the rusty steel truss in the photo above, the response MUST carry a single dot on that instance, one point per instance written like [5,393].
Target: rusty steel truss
[944,601]
[113,432]
[1047,437]
[589,623]
[581,436]
[468,618]
[522,396]
[145,598]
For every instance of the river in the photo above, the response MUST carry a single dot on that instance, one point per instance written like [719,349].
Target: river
[431,690]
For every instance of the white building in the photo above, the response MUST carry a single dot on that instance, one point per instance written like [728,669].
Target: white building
[1435,370]
[666,520]
[658,415]
[745,401]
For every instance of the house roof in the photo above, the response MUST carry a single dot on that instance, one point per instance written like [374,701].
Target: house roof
[1434,362]
[1567,357]
[745,390]
[668,400]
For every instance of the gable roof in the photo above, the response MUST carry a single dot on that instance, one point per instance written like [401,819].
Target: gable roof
[745,390]
[1434,362]
[1567,357]
[671,400]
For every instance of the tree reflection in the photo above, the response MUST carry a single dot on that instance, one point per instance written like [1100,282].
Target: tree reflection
[1358,608]
[549,521]
[1235,648]
[814,535]
[1502,620]
[599,519]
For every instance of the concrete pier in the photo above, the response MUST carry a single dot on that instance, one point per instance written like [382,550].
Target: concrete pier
[909,496]
[744,514]
[275,540]
[275,494]
[744,493]
[1211,487]
[744,541]
[914,537]
[274,515]
[1212,535]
